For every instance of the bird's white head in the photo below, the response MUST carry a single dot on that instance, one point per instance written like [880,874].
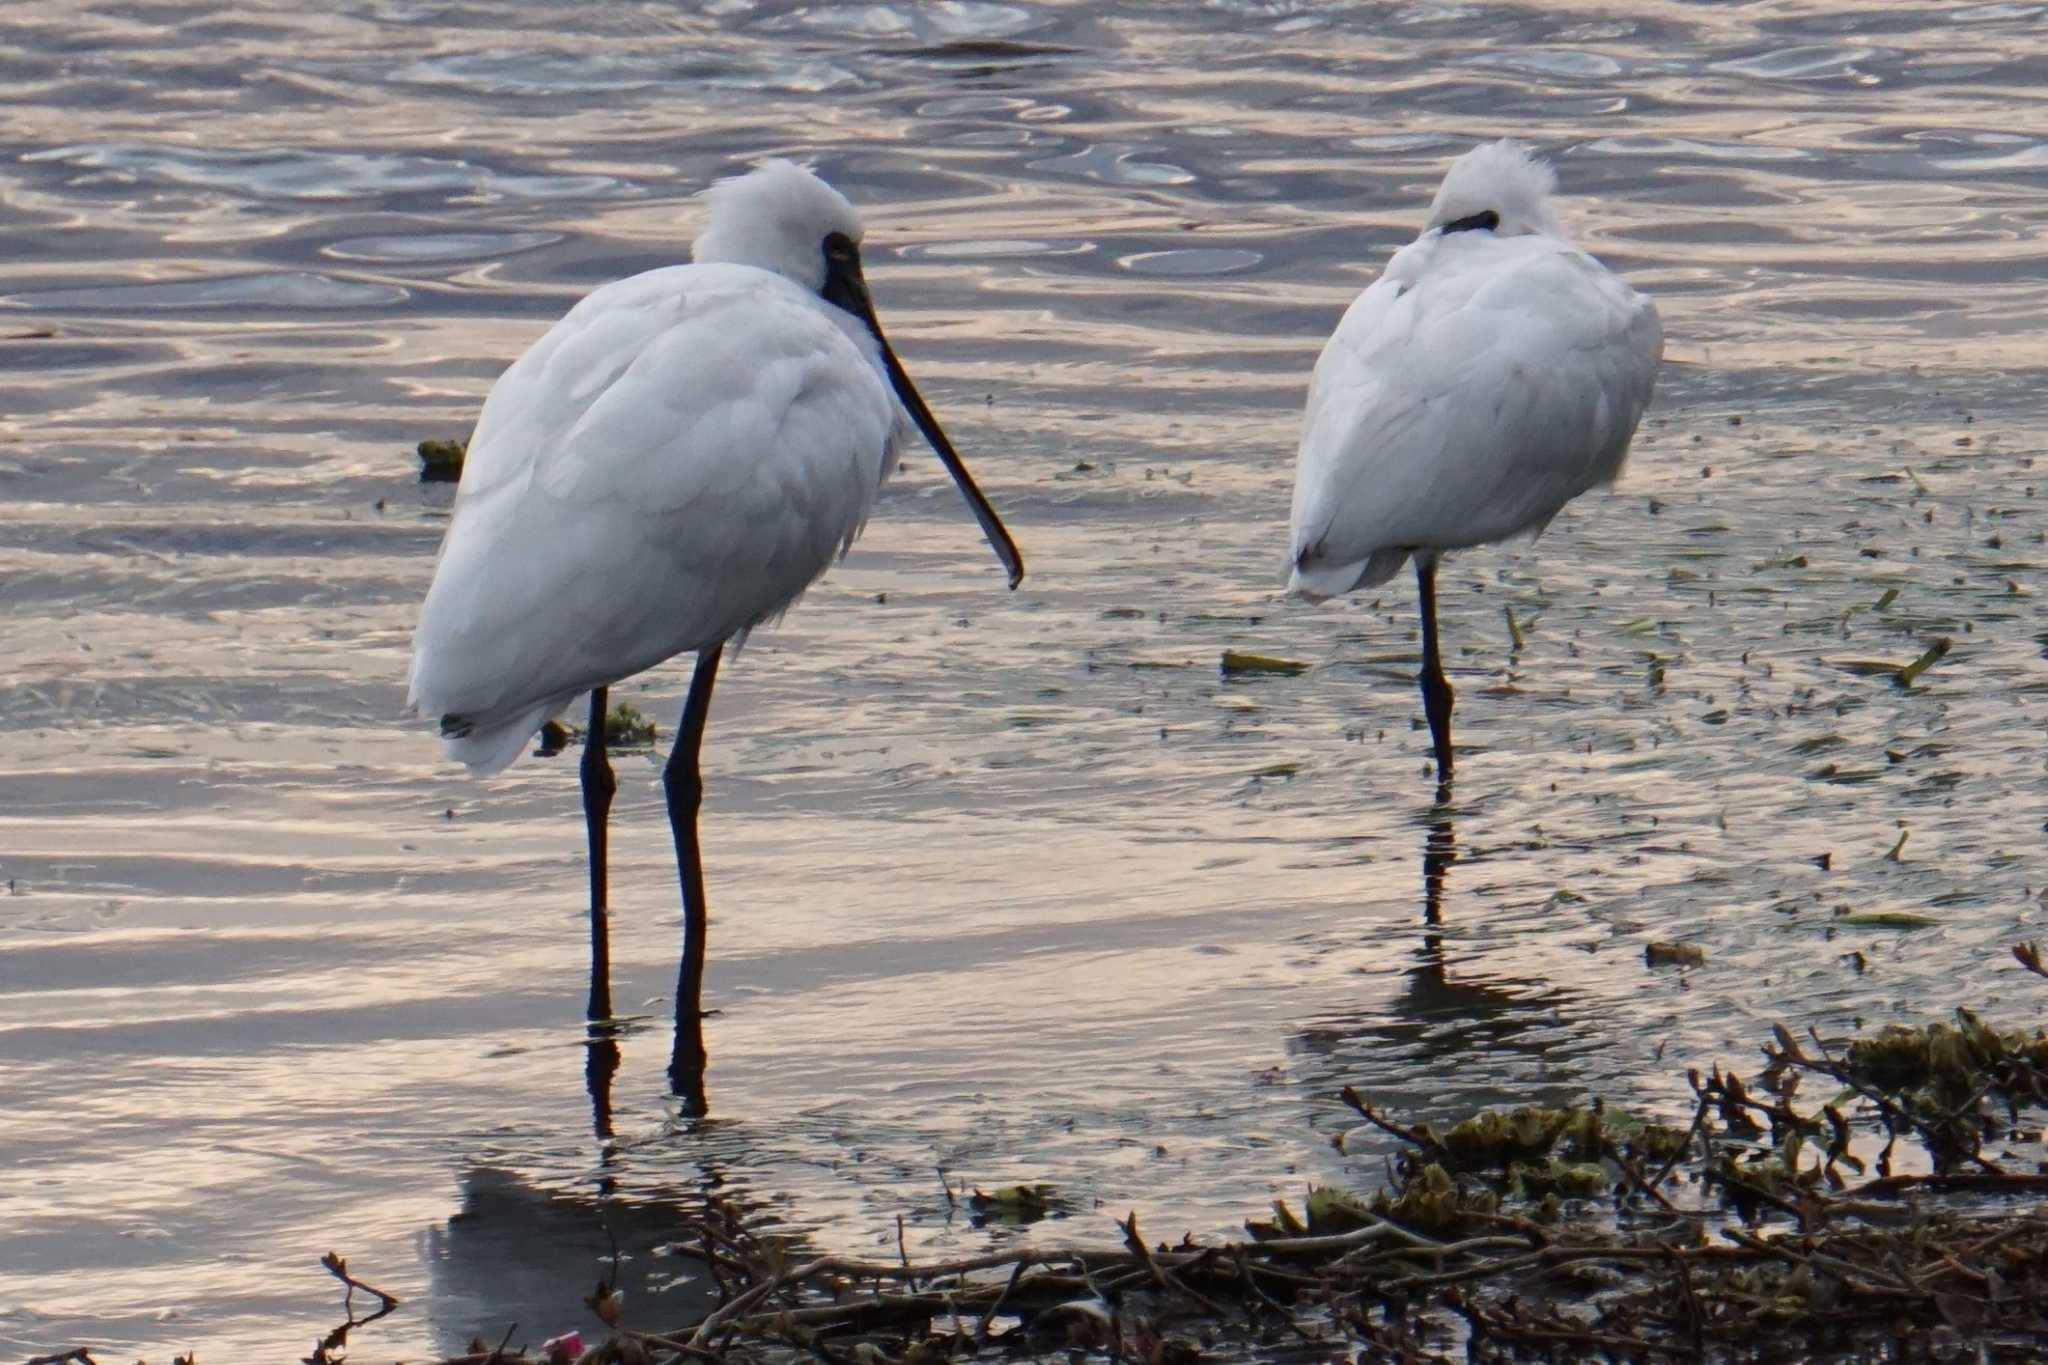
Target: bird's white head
[779,217]
[775,217]
[1502,178]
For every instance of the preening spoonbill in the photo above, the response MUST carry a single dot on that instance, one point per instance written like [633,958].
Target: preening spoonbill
[1491,374]
[669,466]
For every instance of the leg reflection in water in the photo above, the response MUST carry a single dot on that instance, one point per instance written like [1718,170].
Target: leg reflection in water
[541,1217]
[600,1065]
[1463,1025]
[1439,851]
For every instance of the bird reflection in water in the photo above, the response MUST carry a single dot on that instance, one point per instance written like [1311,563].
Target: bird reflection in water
[1498,1008]
[1462,1030]
[1499,1011]
[525,1246]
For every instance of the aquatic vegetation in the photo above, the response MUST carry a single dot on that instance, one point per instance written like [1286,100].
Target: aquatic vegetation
[1515,633]
[1237,663]
[1012,1204]
[1936,652]
[1885,919]
[441,461]
[1756,1232]
[1947,1068]
[626,726]
[1674,954]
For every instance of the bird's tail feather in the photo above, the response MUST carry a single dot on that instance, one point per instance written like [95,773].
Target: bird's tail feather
[1316,579]
[489,750]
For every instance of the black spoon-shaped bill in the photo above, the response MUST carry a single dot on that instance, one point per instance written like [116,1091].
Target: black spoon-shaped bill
[846,288]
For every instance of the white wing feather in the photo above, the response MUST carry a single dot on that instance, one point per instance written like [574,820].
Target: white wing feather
[671,464]
[1474,389]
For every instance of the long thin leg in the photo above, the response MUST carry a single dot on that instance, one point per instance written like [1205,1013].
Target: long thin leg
[1436,688]
[683,781]
[599,785]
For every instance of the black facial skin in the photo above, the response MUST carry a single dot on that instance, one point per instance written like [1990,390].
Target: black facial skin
[1484,221]
[846,289]
[844,286]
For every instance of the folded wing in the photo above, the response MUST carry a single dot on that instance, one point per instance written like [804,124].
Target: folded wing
[1468,394]
[672,464]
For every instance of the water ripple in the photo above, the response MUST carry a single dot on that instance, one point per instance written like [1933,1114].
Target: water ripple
[1017,884]
[299,174]
[288,289]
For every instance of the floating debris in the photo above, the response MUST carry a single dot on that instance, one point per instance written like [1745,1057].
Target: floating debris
[1673,955]
[1905,675]
[1934,655]
[1236,663]
[1886,919]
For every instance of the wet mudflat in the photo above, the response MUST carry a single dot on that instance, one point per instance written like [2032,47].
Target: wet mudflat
[1019,886]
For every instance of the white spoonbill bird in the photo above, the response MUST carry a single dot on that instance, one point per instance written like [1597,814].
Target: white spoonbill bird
[1491,374]
[669,466]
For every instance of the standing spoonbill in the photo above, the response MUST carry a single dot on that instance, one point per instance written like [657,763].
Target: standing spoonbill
[669,466]
[1491,374]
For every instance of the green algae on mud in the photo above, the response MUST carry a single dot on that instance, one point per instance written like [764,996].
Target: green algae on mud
[625,727]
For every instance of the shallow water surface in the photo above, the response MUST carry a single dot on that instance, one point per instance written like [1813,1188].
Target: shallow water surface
[1005,886]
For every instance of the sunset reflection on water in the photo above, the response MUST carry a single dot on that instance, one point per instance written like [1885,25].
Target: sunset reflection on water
[1013,886]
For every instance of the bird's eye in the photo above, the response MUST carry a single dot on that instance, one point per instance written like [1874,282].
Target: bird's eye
[839,247]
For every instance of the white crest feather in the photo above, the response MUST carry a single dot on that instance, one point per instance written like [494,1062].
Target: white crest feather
[1502,177]
[775,217]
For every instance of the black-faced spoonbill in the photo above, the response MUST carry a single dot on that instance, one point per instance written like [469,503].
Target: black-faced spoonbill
[1491,374]
[671,465]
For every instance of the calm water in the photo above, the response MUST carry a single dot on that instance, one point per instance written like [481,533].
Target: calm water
[1015,886]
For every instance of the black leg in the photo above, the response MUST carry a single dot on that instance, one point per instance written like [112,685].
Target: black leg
[1436,688]
[683,781]
[598,787]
